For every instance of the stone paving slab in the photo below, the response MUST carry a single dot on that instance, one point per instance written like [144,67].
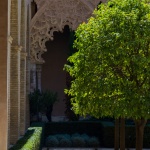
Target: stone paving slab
[86,149]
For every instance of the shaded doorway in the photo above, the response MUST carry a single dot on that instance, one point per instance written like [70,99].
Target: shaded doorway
[53,76]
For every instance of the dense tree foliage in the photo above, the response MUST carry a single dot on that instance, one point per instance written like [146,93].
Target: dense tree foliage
[112,65]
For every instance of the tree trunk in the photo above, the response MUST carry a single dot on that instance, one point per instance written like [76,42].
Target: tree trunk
[116,134]
[122,134]
[139,124]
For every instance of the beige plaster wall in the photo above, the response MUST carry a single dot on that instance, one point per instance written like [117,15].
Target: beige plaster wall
[53,76]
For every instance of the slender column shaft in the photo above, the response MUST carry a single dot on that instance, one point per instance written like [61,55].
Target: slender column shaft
[39,71]
[3,74]
[8,80]
[23,93]
[33,77]
[23,69]
[28,18]
[15,73]
[14,94]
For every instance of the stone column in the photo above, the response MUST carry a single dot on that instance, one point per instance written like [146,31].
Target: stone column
[23,25]
[15,73]
[15,94]
[3,75]
[23,93]
[33,77]
[28,10]
[27,91]
[8,80]
[39,71]
[10,40]
[23,69]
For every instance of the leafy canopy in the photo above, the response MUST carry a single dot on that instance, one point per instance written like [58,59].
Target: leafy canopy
[112,65]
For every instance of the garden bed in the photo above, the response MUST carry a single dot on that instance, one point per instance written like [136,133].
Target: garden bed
[104,130]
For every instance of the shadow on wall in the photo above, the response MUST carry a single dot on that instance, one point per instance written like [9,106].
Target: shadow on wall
[53,76]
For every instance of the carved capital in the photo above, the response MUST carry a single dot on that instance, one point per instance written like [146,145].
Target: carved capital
[10,39]
[19,48]
[16,48]
[23,55]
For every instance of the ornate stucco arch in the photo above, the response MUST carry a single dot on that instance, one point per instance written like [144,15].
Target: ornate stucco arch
[53,15]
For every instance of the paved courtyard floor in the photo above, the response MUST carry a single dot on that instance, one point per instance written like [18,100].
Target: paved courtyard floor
[86,149]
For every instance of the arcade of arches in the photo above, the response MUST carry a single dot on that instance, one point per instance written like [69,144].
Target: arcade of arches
[28,28]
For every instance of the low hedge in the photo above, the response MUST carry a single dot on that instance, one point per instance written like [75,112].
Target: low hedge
[92,128]
[32,140]
[104,130]
[74,140]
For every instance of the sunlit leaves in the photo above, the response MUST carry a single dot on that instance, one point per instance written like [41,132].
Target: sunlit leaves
[112,65]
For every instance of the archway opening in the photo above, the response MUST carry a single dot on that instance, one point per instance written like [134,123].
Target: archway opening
[53,75]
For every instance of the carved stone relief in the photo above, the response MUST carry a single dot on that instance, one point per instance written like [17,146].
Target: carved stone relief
[53,15]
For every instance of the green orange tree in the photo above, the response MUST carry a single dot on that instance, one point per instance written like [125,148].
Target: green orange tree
[112,65]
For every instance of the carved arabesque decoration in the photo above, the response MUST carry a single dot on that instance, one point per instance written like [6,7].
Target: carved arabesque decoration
[52,16]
